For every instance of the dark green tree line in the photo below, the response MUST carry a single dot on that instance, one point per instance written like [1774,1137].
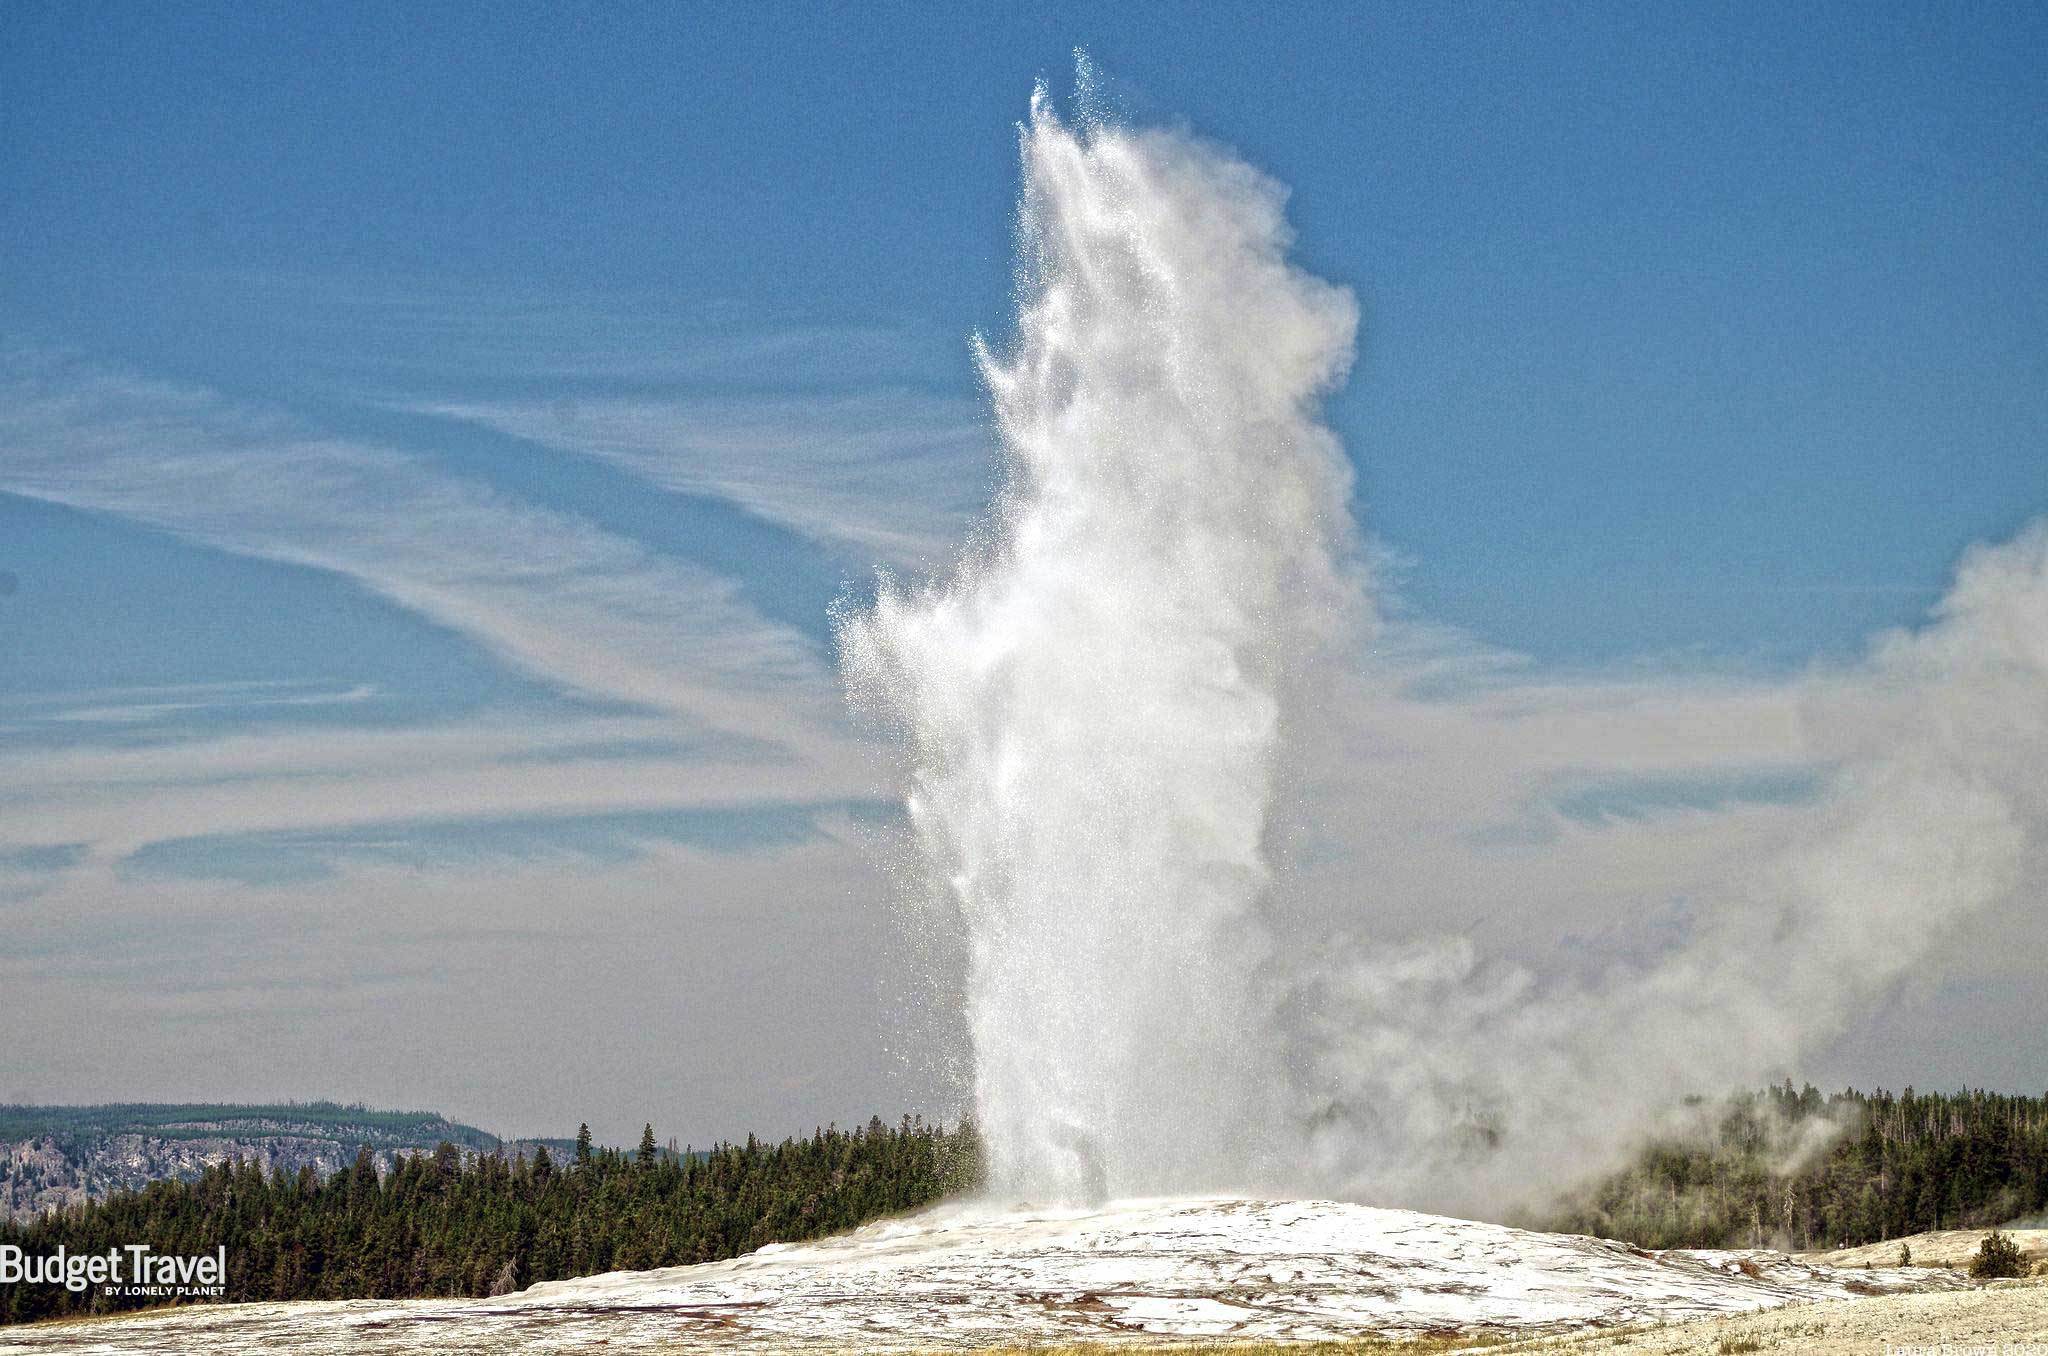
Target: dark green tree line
[450,1223]
[1796,1169]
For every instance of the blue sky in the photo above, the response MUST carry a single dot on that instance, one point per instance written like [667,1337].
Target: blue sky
[1698,337]
[1668,322]
[1670,317]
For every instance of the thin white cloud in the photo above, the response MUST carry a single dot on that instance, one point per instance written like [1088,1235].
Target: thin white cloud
[899,477]
[137,712]
[828,435]
[548,591]
[119,800]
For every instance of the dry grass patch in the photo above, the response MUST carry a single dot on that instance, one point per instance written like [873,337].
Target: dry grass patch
[1948,1248]
[1365,1346]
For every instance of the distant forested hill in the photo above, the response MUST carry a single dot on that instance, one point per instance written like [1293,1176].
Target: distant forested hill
[473,1223]
[52,1157]
[1800,1170]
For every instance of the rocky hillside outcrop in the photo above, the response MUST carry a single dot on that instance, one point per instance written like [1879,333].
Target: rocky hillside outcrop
[54,1157]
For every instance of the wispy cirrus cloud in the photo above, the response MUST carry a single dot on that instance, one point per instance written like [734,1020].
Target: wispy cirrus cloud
[141,706]
[1452,785]
[545,590]
[865,437]
[896,476]
[119,800]
[702,705]
[838,432]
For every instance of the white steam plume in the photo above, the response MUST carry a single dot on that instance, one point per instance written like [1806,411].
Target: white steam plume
[1095,701]
[1449,1082]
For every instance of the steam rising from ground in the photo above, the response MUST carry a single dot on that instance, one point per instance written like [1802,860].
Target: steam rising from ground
[1105,709]
[1469,1085]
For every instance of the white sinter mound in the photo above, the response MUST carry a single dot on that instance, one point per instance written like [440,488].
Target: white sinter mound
[968,1275]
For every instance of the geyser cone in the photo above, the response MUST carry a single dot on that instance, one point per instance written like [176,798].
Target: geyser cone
[1096,700]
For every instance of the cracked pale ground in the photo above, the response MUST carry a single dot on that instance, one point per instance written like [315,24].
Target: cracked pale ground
[2001,1319]
[1994,1319]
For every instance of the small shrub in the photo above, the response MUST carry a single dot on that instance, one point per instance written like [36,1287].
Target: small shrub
[1905,1255]
[1739,1346]
[1997,1256]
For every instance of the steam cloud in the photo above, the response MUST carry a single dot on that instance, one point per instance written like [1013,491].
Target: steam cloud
[1465,1085]
[1104,705]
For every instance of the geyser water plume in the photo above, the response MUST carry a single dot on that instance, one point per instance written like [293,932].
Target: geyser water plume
[1096,699]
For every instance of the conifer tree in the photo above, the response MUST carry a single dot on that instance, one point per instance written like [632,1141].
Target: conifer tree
[363,1176]
[647,1149]
[1998,1257]
[583,1145]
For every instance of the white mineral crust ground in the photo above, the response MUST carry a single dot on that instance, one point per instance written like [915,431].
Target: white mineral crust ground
[967,1276]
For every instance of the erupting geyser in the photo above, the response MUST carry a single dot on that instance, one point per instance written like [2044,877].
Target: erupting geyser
[1095,700]
[1099,705]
